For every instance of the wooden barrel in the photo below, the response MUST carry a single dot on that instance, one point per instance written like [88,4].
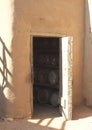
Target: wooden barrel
[53,77]
[43,96]
[54,99]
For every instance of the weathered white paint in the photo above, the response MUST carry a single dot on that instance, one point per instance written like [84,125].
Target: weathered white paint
[66,99]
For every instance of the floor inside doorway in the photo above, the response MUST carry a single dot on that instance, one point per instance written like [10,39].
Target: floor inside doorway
[46,111]
[48,116]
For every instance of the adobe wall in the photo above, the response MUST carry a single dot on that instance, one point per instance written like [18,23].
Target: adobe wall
[88,54]
[14,64]
[65,18]
[7,95]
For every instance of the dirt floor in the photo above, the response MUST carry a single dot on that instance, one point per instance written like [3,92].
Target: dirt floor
[48,118]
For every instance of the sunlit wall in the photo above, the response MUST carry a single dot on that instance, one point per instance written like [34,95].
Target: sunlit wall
[19,19]
[6,65]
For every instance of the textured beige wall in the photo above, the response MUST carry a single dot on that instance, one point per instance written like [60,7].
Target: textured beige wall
[88,53]
[58,17]
[14,63]
[65,18]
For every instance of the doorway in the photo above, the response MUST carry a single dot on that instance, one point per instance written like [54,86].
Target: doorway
[52,78]
[46,73]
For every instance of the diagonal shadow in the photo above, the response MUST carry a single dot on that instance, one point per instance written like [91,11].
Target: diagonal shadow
[4,73]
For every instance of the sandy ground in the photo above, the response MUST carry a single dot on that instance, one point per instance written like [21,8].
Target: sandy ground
[50,119]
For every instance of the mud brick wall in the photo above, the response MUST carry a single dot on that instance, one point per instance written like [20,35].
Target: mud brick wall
[19,19]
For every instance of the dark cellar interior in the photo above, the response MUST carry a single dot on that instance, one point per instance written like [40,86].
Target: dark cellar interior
[46,71]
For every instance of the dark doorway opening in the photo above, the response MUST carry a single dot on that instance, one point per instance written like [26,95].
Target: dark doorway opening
[46,74]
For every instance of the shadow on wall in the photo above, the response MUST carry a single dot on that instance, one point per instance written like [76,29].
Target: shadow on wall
[4,72]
